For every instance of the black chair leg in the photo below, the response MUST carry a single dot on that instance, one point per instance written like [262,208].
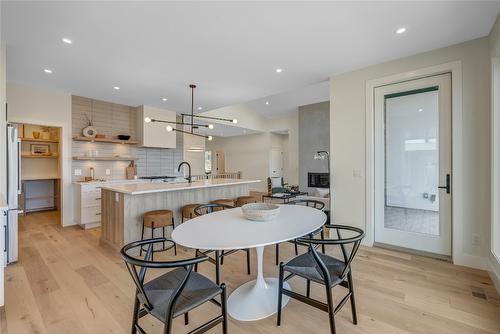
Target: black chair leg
[135,318]
[222,258]
[331,309]
[280,292]
[217,267]
[186,318]
[277,254]
[296,248]
[322,238]
[308,288]
[353,302]
[248,261]
[224,309]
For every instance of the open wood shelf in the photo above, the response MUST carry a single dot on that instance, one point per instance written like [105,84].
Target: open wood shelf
[106,140]
[39,140]
[33,156]
[105,158]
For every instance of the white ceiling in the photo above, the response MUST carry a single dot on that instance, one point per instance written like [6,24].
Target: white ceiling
[230,49]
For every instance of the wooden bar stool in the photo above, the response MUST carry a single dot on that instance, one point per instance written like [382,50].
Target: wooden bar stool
[158,219]
[229,202]
[188,211]
[242,200]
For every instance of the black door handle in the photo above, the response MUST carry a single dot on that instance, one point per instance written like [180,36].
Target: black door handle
[448,184]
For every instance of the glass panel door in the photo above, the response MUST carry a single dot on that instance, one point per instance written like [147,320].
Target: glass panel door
[413,164]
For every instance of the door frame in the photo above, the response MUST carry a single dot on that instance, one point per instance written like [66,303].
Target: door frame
[455,68]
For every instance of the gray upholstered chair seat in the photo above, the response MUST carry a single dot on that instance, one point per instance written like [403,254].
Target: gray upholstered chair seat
[197,291]
[305,266]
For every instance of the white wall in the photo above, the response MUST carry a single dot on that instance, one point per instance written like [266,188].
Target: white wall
[248,154]
[39,106]
[348,139]
[495,152]
[3,147]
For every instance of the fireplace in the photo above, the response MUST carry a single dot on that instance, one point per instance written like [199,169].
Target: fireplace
[318,180]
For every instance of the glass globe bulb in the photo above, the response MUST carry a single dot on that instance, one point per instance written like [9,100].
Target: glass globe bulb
[147,120]
[235,121]
[169,128]
[210,138]
[210,126]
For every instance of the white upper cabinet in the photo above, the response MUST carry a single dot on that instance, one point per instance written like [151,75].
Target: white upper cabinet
[154,134]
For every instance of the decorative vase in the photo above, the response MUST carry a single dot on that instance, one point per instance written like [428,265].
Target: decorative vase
[89,132]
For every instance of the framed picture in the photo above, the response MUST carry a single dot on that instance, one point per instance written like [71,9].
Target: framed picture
[40,149]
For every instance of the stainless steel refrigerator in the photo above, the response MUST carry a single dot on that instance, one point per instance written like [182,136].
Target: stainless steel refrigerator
[13,191]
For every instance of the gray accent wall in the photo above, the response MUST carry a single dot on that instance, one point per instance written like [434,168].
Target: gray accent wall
[314,135]
[112,119]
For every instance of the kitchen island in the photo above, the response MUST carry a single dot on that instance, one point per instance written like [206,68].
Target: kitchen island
[123,205]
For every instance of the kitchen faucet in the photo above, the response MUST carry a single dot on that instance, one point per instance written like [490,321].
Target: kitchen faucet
[189,169]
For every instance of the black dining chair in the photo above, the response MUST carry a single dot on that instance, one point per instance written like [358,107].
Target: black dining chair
[310,203]
[218,258]
[325,270]
[174,293]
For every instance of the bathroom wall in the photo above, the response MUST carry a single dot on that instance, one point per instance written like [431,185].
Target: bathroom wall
[112,119]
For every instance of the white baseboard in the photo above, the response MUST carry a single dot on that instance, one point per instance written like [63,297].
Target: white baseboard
[472,261]
[495,271]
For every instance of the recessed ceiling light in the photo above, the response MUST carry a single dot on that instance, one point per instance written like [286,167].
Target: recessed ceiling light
[164,99]
[199,108]
[47,70]
[420,109]
[116,88]
[267,102]
[67,40]
[401,30]
[279,70]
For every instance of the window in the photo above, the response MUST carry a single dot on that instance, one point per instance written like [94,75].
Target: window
[208,162]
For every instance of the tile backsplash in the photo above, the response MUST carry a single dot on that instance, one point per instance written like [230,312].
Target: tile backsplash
[112,119]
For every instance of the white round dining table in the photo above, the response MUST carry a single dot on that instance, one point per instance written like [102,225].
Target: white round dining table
[229,229]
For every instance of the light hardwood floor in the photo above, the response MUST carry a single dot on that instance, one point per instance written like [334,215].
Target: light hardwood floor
[66,282]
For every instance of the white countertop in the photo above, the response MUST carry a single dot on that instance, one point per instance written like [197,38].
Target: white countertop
[146,188]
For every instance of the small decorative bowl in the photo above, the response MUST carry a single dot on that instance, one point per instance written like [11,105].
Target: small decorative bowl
[260,211]
[123,137]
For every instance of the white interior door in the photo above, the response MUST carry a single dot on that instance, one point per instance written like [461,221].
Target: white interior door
[413,164]
[276,162]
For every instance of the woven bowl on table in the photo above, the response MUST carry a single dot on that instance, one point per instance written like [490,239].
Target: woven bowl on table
[260,211]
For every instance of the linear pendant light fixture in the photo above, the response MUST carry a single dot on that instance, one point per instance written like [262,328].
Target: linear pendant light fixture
[191,124]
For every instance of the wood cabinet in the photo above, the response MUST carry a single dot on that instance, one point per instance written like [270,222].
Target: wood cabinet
[154,134]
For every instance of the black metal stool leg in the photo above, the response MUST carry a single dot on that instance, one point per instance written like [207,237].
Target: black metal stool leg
[248,261]
[296,247]
[322,238]
[222,258]
[142,238]
[186,318]
[163,232]
[175,245]
[280,293]
[308,288]
[196,265]
[152,237]
[277,253]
